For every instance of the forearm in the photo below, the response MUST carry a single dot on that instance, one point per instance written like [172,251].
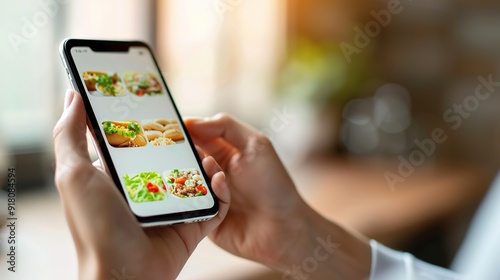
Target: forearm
[324,250]
[133,264]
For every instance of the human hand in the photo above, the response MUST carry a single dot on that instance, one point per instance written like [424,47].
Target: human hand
[267,213]
[268,221]
[108,239]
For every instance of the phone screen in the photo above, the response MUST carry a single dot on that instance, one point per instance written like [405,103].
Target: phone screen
[142,131]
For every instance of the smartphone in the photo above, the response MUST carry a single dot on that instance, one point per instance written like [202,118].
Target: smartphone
[138,131]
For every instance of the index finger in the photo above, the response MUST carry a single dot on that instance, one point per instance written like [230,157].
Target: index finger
[224,126]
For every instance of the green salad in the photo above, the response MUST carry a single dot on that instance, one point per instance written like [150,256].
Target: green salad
[130,130]
[145,187]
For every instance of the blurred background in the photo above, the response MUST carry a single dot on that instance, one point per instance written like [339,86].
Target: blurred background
[344,89]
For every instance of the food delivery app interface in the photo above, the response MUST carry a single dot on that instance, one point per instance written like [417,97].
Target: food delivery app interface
[156,165]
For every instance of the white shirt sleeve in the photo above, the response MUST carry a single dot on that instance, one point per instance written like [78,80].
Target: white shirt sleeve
[388,264]
[479,256]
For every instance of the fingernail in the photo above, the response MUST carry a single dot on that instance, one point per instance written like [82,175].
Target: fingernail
[69,98]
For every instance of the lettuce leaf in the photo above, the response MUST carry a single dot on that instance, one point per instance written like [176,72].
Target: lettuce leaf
[137,187]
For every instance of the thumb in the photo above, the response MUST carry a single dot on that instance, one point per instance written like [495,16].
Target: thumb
[70,141]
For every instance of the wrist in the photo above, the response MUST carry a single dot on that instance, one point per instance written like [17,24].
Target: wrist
[324,250]
[133,265]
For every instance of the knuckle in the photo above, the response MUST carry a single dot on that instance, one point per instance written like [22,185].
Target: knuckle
[262,140]
[224,117]
[57,131]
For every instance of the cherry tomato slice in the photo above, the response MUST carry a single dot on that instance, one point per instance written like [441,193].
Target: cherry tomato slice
[152,187]
[201,189]
[181,180]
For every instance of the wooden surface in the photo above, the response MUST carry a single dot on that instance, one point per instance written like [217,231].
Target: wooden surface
[356,194]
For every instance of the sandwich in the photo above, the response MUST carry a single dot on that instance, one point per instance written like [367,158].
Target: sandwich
[122,134]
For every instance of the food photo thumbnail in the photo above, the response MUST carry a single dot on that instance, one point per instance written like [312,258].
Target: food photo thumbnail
[145,187]
[103,84]
[142,84]
[152,187]
[162,132]
[185,183]
[124,134]
[100,83]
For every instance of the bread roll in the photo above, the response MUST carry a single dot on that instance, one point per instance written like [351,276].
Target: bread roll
[153,126]
[153,134]
[116,139]
[162,121]
[174,134]
[140,140]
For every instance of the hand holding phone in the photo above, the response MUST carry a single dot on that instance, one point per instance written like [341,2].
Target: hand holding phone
[108,240]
